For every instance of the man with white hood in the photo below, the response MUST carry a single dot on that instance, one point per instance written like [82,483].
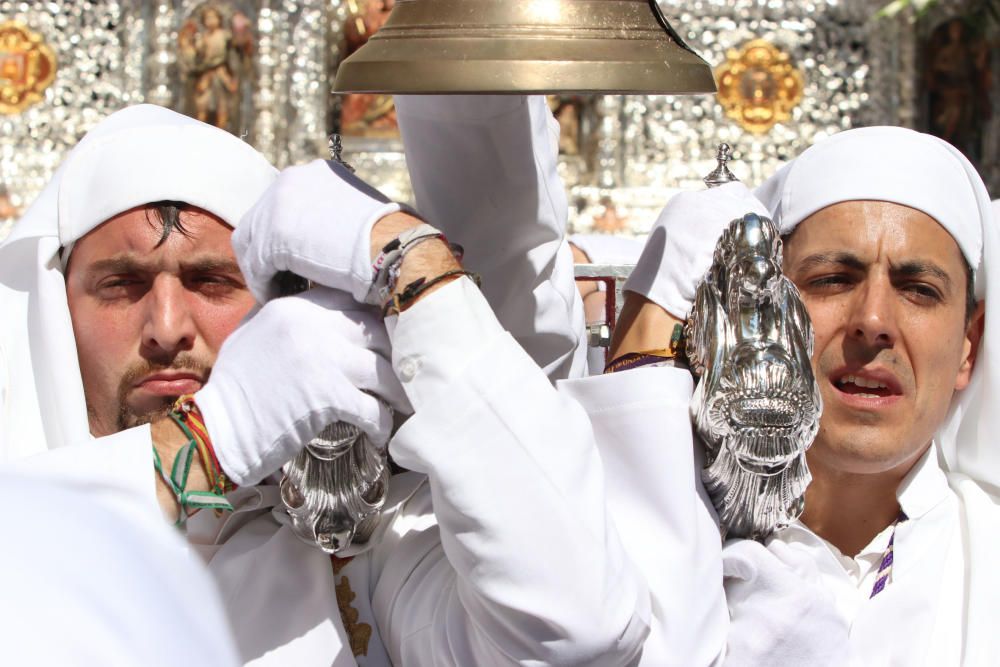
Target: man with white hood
[132,285]
[890,238]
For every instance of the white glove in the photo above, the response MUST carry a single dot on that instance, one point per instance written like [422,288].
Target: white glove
[315,220]
[680,246]
[780,612]
[298,364]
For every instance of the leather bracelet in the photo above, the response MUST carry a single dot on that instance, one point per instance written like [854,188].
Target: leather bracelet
[403,300]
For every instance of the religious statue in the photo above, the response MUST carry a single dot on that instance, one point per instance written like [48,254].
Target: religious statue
[757,405]
[567,109]
[366,114]
[216,44]
[957,78]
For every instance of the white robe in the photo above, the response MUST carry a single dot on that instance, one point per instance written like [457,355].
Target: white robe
[520,563]
[819,610]
[93,576]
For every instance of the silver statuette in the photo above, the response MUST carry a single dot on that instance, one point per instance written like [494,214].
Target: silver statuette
[721,174]
[757,404]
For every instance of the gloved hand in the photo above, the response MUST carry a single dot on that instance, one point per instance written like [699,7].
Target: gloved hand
[298,364]
[680,246]
[780,611]
[315,220]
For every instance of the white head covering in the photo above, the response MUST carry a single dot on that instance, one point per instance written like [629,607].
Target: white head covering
[136,156]
[923,172]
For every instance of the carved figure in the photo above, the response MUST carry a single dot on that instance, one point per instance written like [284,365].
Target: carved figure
[215,58]
[957,77]
[757,405]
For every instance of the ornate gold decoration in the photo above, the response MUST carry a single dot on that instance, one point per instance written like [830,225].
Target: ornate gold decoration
[759,86]
[358,633]
[27,67]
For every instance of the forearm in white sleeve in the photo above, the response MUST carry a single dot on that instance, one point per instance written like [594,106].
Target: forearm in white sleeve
[643,430]
[529,569]
[484,170]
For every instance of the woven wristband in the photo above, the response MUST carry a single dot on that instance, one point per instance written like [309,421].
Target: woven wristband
[673,352]
[188,417]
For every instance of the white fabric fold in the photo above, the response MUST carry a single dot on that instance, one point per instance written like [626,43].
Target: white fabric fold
[136,156]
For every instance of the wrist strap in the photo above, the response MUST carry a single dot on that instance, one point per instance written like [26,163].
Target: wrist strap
[403,300]
[385,268]
[674,351]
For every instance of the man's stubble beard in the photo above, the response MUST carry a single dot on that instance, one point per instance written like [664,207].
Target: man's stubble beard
[126,417]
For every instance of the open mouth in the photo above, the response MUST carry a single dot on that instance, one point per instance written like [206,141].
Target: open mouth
[866,386]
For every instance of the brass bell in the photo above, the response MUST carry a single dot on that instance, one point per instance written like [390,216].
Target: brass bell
[525,46]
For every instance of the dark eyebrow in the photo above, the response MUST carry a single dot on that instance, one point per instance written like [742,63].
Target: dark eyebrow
[120,264]
[211,265]
[844,259]
[917,268]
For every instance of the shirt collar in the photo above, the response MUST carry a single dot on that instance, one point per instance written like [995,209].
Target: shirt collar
[924,487]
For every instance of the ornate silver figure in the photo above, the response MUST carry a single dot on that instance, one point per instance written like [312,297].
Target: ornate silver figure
[757,404]
[335,488]
[721,174]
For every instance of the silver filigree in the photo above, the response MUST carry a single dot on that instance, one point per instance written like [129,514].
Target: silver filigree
[335,488]
[757,404]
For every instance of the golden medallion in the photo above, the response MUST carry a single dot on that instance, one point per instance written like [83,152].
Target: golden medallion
[759,86]
[27,67]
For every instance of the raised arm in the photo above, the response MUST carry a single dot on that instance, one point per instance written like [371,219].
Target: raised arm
[508,553]
[528,566]
[484,170]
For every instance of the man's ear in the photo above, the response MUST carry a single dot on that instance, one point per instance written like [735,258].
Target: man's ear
[970,347]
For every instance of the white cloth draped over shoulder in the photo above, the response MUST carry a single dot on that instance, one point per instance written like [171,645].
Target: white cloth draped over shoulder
[925,173]
[138,155]
[93,576]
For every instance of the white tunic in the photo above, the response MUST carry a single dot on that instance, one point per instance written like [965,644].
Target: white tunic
[503,554]
[815,602]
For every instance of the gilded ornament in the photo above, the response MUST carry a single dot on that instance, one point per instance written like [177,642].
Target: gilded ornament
[27,67]
[759,86]
[359,633]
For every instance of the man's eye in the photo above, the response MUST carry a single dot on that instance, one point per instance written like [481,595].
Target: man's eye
[923,291]
[213,283]
[118,285]
[833,280]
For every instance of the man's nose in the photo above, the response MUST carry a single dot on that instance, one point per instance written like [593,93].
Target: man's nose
[873,317]
[169,327]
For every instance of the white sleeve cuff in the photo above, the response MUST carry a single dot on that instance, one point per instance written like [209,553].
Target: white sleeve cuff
[438,337]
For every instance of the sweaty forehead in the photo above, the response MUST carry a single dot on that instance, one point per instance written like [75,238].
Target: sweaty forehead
[873,231]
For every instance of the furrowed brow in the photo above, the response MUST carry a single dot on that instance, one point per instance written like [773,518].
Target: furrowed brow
[828,259]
